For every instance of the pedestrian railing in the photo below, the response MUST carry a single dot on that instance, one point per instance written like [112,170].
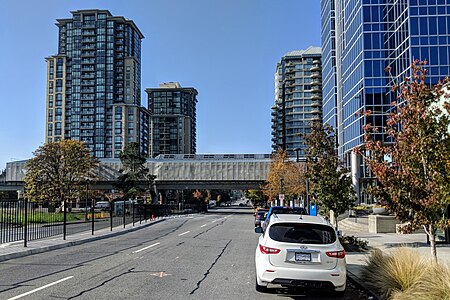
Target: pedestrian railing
[28,221]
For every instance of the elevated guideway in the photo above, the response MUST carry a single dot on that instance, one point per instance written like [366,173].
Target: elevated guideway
[175,171]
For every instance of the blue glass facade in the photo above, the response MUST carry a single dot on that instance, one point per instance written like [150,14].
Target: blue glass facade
[360,39]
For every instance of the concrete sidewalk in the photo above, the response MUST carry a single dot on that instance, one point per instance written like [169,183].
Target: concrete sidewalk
[387,242]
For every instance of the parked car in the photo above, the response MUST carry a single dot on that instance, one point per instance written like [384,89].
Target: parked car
[84,209]
[283,210]
[102,205]
[260,216]
[300,251]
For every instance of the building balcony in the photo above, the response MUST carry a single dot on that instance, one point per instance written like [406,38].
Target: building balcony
[89,24]
[88,40]
[316,82]
[88,91]
[88,76]
[316,62]
[88,61]
[88,47]
[316,75]
[316,89]
[88,54]
[88,82]
[87,97]
[315,68]
[316,97]
[87,104]
[316,104]
[90,126]
[316,111]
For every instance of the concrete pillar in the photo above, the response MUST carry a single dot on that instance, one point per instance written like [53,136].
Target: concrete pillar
[355,171]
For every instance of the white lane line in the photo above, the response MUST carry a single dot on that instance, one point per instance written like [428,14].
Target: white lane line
[203,225]
[145,248]
[41,288]
[183,233]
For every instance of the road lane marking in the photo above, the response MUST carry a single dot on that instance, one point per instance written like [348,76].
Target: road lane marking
[203,225]
[183,233]
[41,288]
[160,274]
[145,248]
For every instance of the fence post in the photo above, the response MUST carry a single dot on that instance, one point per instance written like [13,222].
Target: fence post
[132,208]
[111,215]
[65,219]
[92,216]
[25,228]
[145,213]
[123,213]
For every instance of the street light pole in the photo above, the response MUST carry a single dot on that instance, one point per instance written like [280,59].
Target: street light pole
[307,186]
[281,188]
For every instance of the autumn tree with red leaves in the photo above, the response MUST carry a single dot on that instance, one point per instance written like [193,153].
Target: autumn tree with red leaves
[412,167]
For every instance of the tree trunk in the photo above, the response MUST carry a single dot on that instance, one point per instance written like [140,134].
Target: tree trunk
[432,237]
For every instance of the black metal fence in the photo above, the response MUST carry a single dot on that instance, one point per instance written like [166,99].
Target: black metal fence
[27,221]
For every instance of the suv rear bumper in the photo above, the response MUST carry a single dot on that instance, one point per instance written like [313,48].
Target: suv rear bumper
[314,278]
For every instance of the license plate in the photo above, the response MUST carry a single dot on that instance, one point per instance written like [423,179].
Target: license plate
[302,256]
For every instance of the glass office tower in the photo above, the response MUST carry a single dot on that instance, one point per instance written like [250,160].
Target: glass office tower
[94,84]
[298,99]
[360,39]
[172,119]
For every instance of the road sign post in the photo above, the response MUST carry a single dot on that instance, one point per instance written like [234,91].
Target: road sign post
[281,198]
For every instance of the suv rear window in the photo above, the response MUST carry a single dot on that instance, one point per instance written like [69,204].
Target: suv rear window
[302,233]
[294,211]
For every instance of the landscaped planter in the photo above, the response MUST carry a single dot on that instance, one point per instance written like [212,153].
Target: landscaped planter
[379,211]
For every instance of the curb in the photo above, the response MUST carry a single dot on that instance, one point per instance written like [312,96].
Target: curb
[356,280]
[9,256]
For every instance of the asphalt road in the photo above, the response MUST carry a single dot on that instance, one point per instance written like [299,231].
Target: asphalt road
[208,256]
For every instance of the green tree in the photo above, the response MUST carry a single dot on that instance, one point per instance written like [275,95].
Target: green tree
[133,172]
[57,171]
[413,167]
[330,182]
[257,197]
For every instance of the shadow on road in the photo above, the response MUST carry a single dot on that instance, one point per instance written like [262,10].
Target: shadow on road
[231,210]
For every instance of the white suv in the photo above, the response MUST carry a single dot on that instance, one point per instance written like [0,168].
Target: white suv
[300,251]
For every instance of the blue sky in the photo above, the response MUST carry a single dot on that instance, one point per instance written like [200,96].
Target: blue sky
[226,49]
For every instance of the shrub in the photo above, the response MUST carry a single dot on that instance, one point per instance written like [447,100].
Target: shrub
[392,274]
[353,244]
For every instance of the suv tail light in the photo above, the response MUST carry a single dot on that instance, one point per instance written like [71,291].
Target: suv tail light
[337,254]
[268,250]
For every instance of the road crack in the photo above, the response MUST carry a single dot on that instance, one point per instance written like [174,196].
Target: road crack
[210,268]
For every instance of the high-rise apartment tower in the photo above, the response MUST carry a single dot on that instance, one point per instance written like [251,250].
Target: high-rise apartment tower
[94,84]
[298,99]
[173,119]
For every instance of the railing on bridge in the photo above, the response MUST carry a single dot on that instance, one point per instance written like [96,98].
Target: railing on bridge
[21,220]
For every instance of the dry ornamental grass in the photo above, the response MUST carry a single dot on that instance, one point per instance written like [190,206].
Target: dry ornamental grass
[404,275]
